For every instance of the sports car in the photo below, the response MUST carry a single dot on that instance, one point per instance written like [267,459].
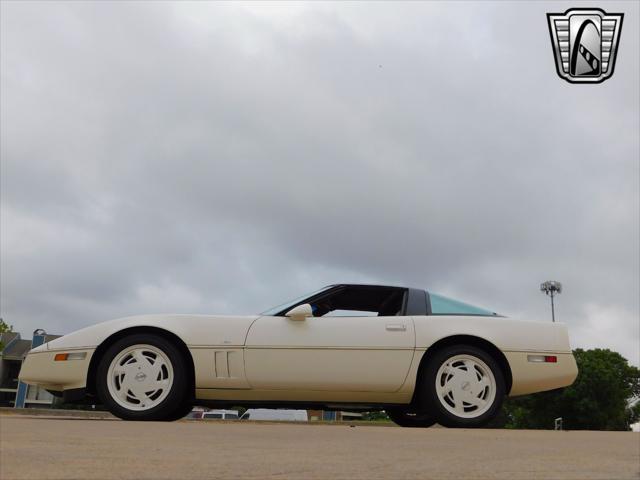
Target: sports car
[421,357]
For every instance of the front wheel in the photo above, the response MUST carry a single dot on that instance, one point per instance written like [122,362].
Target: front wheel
[463,386]
[409,418]
[143,377]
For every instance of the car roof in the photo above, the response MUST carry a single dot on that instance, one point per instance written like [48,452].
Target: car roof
[369,285]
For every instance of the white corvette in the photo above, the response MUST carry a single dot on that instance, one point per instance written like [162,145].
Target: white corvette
[421,357]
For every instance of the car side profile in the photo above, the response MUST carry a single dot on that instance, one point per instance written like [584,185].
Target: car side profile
[421,357]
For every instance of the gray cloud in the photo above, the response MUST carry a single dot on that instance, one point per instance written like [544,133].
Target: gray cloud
[224,157]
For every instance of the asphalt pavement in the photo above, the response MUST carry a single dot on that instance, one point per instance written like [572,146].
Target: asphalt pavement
[78,448]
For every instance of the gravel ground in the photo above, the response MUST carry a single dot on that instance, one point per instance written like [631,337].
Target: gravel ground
[39,448]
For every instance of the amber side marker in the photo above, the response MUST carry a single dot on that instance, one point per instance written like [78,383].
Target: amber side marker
[61,357]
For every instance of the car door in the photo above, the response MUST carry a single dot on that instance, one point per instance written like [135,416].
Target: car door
[330,353]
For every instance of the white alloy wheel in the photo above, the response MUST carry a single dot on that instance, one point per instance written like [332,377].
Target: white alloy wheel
[465,386]
[140,377]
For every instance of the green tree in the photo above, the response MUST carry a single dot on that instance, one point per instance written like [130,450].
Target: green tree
[600,398]
[375,416]
[4,327]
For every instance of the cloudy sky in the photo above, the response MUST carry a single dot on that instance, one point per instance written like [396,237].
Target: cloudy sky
[223,158]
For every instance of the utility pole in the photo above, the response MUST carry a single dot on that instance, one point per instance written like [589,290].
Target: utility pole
[551,288]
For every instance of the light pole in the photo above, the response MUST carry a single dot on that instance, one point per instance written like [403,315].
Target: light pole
[551,288]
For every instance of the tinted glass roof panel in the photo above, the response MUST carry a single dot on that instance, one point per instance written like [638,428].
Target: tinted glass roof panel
[447,306]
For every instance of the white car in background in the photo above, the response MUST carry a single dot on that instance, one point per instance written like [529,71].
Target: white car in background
[278,415]
[220,415]
[199,414]
[419,356]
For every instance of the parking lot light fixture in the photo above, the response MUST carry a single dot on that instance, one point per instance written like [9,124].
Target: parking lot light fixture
[551,288]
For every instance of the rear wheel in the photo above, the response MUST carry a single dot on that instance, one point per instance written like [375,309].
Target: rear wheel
[408,418]
[463,386]
[143,377]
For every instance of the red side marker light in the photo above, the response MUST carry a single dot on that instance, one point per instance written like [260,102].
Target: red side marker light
[542,358]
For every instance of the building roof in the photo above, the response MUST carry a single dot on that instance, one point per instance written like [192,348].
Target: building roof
[14,348]
[7,337]
[17,350]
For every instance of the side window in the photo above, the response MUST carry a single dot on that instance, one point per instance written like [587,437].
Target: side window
[361,302]
[351,313]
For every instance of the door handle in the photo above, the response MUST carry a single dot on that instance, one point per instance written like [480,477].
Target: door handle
[396,327]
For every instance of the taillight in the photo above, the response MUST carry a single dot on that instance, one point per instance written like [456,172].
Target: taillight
[542,358]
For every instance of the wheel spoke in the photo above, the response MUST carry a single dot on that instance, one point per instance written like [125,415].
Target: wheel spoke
[482,383]
[471,368]
[128,369]
[125,386]
[478,402]
[142,360]
[139,390]
[458,403]
[448,369]
[154,370]
[448,386]
[161,383]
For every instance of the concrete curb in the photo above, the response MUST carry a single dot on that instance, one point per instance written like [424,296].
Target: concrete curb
[55,412]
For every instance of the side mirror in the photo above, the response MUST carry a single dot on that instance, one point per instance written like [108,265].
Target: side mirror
[300,312]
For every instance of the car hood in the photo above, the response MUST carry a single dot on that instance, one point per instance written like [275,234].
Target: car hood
[194,330]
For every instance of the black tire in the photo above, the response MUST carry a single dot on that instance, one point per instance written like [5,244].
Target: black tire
[182,411]
[433,403]
[174,402]
[405,417]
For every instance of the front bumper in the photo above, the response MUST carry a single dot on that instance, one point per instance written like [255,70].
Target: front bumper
[530,377]
[40,368]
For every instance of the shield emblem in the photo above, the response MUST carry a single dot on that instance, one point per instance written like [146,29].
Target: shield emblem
[585,43]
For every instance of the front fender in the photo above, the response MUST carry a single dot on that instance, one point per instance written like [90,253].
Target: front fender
[194,330]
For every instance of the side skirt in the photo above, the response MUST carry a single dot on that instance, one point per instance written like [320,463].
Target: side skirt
[353,407]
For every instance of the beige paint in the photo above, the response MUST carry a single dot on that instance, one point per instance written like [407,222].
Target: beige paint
[304,396]
[194,330]
[219,367]
[41,369]
[530,377]
[505,333]
[330,353]
[337,359]
[370,370]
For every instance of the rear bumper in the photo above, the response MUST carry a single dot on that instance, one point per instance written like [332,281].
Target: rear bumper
[530,377]
[40,368]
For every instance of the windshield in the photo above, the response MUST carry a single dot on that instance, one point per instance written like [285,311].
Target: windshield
[286,305]
[447,306]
